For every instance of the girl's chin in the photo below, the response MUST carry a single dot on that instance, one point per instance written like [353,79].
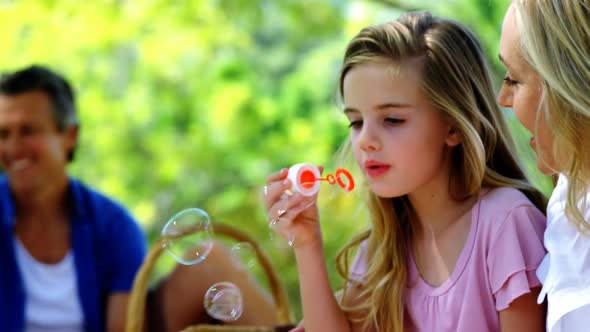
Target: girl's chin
[386,193]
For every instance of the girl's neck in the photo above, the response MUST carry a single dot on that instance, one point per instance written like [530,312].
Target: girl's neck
[435,208]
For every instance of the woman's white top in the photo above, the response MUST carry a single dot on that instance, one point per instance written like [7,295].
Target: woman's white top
[565,270]
[51,292]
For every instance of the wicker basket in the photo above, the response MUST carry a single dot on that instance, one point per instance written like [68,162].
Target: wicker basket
[137,300]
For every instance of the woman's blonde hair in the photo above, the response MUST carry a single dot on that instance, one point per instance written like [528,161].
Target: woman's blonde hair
[456,79]
[555,41]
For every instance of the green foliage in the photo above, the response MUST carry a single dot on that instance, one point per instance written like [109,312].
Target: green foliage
[193,103]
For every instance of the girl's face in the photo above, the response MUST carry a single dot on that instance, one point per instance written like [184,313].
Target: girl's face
[398,138]
[521,91]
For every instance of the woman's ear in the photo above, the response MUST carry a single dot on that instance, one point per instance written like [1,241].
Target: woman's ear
[453,138]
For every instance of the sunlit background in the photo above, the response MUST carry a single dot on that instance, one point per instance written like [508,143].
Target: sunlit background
[192,103]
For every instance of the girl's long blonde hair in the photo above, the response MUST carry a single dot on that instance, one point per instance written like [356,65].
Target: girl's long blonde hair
[455,78]
[555,41]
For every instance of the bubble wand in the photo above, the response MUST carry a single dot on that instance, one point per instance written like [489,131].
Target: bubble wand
[306,179]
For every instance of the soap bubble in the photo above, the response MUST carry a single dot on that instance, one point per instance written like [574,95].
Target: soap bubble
[193,247]
[244,253]
[223,301]
[280,234]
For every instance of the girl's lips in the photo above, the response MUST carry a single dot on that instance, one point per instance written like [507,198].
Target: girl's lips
[533,143]
[375,168]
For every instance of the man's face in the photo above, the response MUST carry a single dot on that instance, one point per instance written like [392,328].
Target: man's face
[33,152]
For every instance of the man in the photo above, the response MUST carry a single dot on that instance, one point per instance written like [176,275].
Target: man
[68,254]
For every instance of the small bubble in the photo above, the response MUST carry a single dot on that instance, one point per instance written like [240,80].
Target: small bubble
[281,236]
[188,236]
[223,301]
[245,254]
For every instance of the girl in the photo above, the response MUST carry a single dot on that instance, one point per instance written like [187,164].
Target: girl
[456,230]
[546,47]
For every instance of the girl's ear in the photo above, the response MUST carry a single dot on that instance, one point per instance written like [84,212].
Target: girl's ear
[453,138]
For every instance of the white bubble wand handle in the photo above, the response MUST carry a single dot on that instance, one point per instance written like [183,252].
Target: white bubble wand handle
[304,179]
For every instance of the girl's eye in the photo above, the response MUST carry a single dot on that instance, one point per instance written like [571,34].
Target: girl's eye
[510,82]
[394,121]
[355,124]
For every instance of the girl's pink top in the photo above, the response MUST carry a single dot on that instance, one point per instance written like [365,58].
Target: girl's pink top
[496,266]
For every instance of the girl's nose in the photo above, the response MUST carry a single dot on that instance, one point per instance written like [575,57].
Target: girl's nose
[369,140]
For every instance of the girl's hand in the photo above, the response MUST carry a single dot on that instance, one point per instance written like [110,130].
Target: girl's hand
[294,216]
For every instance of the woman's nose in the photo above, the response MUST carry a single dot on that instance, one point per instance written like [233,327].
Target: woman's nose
[505,97]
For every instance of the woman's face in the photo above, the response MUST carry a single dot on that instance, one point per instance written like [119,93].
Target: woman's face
[521,91]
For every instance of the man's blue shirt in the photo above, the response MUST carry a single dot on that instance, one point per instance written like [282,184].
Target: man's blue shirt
[108,247]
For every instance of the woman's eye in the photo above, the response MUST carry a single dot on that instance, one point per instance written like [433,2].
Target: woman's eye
[510,82]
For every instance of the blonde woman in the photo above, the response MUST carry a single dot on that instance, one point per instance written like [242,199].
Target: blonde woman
[545,46]
[456,229]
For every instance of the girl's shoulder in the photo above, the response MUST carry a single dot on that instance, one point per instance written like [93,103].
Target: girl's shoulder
[506,208]
[504,198]
[504,201]
[510,232]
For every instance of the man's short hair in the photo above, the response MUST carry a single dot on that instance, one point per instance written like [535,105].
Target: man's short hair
[55,86]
